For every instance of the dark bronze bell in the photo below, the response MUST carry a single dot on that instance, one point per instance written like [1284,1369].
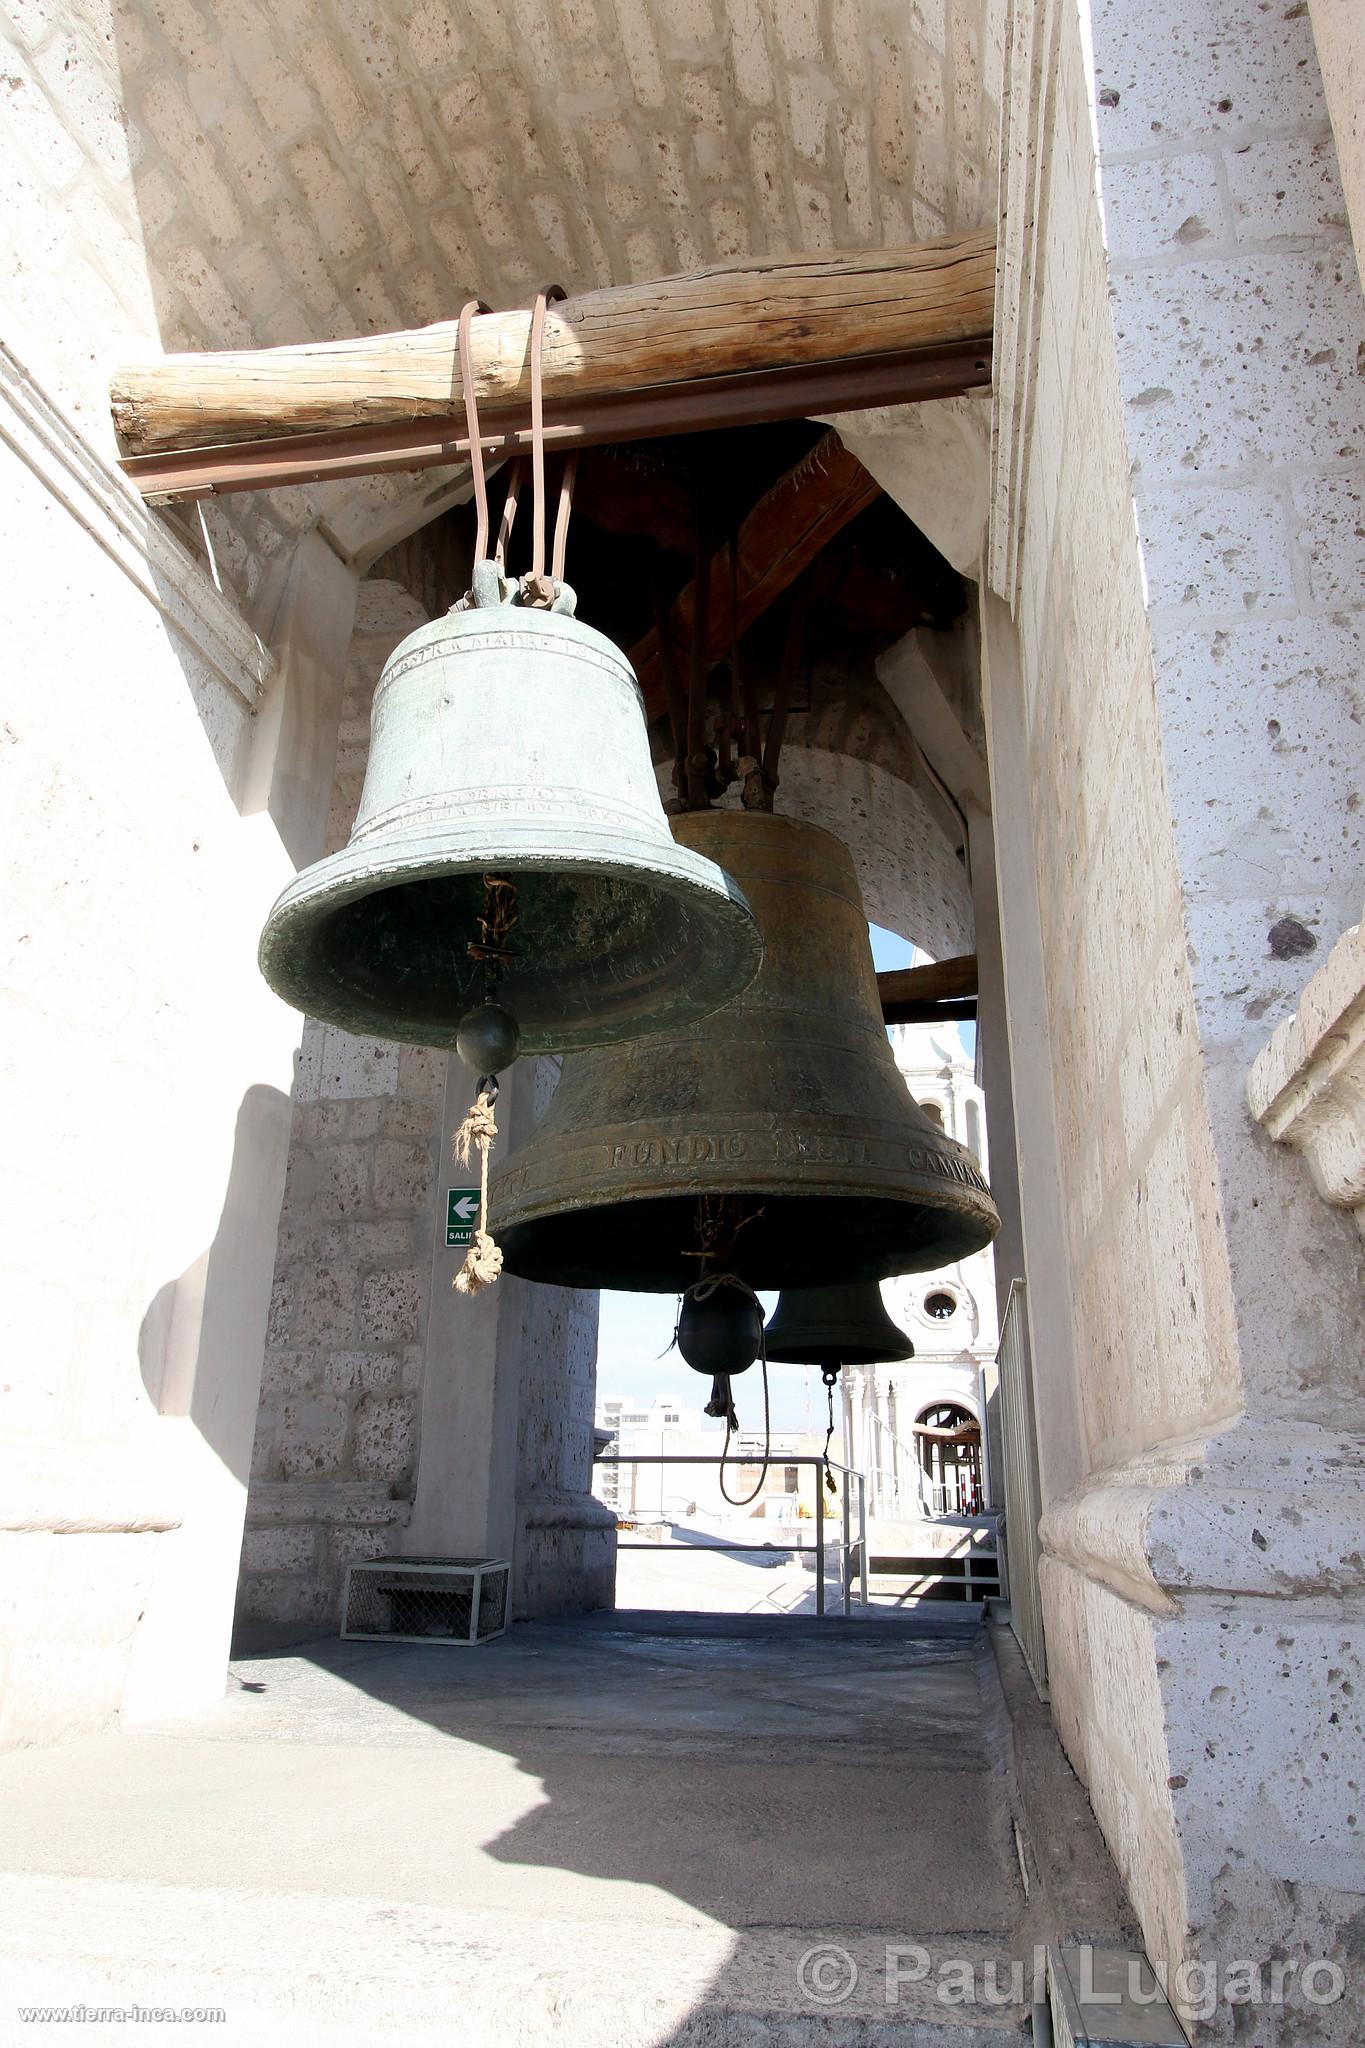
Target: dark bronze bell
[845,1325]
[510,742]
[776,1139]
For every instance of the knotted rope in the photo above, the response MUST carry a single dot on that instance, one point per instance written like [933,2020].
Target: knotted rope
[483,1260]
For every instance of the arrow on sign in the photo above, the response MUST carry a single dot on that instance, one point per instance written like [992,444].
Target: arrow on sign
[465,1209]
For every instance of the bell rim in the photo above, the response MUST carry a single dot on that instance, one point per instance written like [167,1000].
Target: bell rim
[729,942]
[561,1270]
[837,1354]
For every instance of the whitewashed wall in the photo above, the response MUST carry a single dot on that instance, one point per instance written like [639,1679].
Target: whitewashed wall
[1175,718]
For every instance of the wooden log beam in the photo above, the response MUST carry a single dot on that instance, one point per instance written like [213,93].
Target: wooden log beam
[789,526]
[933,1013]
[405,446]
[723,322]
[922,995]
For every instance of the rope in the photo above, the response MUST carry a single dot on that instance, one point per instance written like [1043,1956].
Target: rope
[483,1260]
[471,415]
[830,1376]
[732,1424]
[509,513]
[566,484]
[538,589]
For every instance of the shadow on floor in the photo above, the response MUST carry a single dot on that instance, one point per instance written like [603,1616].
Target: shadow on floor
[805,1784]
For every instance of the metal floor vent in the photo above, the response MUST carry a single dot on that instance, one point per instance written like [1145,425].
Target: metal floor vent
[426,1600]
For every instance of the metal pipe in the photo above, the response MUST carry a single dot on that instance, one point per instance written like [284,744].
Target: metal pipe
[862,1538]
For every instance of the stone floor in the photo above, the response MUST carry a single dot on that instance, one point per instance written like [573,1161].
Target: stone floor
[628,1830]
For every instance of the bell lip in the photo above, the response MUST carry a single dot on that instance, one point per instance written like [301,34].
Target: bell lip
[835,1354]
[729,944]
[765,1277]
[894,1347]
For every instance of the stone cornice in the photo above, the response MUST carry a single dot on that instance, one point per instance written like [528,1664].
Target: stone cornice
[111,512]
[1265,1509]
[1307,1086]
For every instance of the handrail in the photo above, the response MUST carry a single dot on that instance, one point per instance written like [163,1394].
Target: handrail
[817,1549]
[911,1455]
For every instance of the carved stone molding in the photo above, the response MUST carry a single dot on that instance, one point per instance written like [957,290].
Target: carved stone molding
[1307,1086]
[114,516]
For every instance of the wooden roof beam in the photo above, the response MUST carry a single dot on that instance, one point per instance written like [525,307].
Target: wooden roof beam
[780,537]
[723,346]
[940,990]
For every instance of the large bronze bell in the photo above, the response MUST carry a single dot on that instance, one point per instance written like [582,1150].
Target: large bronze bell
[776,1139]
[510,741]
[844,1325]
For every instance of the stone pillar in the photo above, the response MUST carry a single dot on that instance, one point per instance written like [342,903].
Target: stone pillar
[1174,701]
[505,1464]
[212,1324]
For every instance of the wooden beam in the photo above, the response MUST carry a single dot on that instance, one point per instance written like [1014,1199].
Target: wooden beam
[407,446]
[722,322]
[789,526]
[921,995]
[932,1013]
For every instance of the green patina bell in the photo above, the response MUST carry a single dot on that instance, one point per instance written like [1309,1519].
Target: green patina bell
[829,1326]
[510,742]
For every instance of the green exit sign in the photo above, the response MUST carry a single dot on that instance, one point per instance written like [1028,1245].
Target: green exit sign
[462,1213]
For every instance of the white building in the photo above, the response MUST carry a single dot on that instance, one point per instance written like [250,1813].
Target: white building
[651,1493]
[949,1313]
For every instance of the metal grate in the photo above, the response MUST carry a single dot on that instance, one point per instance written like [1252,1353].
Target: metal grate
[1023,1495]
[426,1600]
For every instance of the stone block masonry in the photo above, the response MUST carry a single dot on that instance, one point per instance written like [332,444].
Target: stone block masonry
[1189,629]
[336,1440]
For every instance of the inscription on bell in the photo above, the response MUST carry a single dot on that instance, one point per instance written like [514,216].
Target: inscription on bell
[692,1150]
[921,1160]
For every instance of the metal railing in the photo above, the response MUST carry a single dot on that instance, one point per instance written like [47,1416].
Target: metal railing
[847,1571]
[904,1469]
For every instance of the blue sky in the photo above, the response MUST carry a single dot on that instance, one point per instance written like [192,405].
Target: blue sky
[636,1328]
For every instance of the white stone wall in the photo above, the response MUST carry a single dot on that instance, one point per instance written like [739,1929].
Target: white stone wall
[1179,476]
[144,1080]
[335,1456]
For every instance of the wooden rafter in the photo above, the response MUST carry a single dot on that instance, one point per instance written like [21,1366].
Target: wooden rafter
[789,526]
[938,992]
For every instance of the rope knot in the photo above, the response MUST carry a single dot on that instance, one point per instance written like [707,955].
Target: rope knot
[479,1128]
[483,1260]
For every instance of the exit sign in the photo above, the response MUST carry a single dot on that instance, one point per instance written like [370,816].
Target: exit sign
[462,1213]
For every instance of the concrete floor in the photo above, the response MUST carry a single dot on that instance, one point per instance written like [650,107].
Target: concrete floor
[627,1830]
